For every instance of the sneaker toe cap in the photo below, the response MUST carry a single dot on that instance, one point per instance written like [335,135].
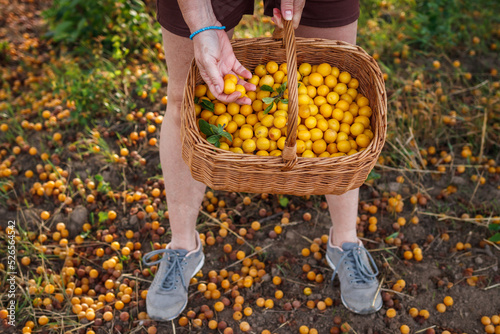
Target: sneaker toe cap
[163,307]
[361,300]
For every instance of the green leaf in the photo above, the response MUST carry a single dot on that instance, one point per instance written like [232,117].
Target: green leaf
[220,128]
[268,100]
[103,216]
[495,237]
[99,178]
[494,227]
[227,135]
[208,105]
[214,139]
[214,128]
[284,201]
[196,100]
[283,87]
[285,101]
[392,236]
[267,88]
[268,109]
[205,127]
[373,176]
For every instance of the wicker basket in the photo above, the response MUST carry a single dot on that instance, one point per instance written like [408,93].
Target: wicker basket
[288,174]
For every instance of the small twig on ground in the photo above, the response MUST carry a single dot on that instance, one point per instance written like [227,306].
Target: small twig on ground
[492,244]
[478,183]
[404,156]
[430,243]
[410,157]
[463,254]
[369,240]
[138,329]
[311,241]
[230,231]
[82,326]
[381,249]
[486,268]
[483,136]
[136,278]
[409,169]
[417,149]
[389,266]
[378,290]
[492,286]
[424,329]
[282,325]
[443,216]
[398,293]
[246,257]
[352,329]
[469,235]
[300,283]
[470,88]
[271,217]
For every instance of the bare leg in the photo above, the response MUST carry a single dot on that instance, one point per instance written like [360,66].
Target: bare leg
[184,194]
[344,208]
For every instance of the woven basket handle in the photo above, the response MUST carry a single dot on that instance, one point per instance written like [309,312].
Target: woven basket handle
[289,154]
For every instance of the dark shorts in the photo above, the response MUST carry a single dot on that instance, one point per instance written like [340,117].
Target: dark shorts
[317,13]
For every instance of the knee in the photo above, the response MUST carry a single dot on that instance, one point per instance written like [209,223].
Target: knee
[175,93]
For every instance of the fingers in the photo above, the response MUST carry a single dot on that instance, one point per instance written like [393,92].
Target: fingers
[287,8]
[277,17]
[234,97]
[241,70]
[216,60]
[296,19]
[212,77]
[248,86]
[298,7]
[290,10]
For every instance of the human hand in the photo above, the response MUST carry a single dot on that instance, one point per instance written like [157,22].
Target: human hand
[290,10]
[215,58]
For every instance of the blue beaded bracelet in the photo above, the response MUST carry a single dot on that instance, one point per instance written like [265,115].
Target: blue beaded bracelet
[206,28]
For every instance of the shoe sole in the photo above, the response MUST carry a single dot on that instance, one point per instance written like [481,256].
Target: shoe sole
[342,297]
[185,303]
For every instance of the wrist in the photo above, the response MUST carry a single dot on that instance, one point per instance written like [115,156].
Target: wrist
[203,24]
[206,29]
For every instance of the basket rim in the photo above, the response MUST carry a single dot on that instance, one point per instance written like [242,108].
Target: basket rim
[253,159]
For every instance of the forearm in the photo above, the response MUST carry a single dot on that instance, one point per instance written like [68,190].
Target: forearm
[197,13]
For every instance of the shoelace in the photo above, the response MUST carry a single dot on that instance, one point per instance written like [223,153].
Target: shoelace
[174,259]
[354,263]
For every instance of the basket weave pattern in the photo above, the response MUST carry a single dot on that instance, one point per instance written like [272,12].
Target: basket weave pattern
[225,170]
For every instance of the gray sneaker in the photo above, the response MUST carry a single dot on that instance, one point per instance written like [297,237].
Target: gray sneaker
[358,281]
[168,294]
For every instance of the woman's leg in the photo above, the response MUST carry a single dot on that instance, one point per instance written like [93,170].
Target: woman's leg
[184,194]
[344,208]
[343,212]
[345,253]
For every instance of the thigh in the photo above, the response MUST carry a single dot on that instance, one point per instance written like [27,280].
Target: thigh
[227,12]
[345,33]
[335,19]
[179,53]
